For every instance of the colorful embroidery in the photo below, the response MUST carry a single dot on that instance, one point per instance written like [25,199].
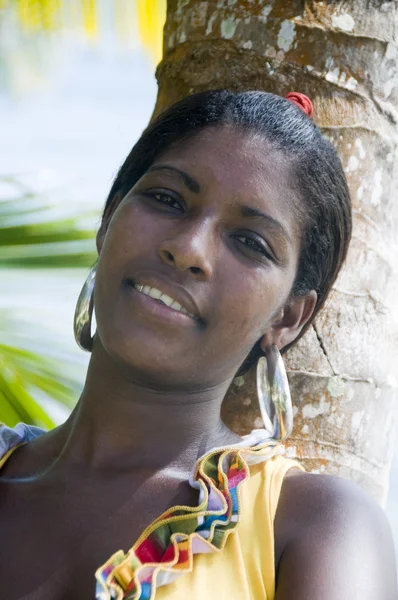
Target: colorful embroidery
[166,548]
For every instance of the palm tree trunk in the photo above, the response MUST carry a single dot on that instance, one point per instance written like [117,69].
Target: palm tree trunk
[343,56]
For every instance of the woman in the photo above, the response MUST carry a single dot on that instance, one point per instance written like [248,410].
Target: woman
[221,237]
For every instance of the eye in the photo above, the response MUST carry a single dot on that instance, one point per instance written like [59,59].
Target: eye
[254,245]
[165,198]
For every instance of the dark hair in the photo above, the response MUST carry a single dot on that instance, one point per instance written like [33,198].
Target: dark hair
[326,221]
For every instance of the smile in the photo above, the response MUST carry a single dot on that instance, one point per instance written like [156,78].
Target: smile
[163,298]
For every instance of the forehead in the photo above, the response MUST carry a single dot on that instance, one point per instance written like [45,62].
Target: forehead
[241,166]
[228,152]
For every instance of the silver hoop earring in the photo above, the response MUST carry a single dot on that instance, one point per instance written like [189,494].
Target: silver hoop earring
[274,395]
[84,313]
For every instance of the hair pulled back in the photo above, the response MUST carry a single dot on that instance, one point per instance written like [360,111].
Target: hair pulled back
[325,206]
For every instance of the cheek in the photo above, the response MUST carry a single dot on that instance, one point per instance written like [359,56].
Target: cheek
[128,235]
[248,301]
[122,241]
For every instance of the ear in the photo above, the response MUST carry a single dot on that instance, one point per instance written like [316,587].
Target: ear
[290,320]
[106,219]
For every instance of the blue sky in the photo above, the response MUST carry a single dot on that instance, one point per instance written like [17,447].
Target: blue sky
[71,132]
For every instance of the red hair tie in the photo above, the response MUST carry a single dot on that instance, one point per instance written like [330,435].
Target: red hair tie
[302,101]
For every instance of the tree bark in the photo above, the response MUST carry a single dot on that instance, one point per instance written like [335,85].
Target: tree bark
[343,56]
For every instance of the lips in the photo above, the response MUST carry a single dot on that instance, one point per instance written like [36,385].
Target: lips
[172,289]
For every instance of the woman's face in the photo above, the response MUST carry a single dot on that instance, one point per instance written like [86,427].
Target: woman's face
[210,224]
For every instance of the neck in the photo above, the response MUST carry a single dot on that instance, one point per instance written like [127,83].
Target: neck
[123,423]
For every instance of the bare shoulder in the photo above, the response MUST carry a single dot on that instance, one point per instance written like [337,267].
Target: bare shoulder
[327,497]
[31,457]
[336,541]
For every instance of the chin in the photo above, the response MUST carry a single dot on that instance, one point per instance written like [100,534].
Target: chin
[144,356]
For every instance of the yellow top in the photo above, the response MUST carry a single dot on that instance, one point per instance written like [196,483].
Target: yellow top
[245,569]
[243,564]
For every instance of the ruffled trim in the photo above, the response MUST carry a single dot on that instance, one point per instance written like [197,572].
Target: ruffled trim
[20,434]
[166,548]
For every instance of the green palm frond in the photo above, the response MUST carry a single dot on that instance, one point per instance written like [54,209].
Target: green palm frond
[33,234]
[26,374]
[33,367]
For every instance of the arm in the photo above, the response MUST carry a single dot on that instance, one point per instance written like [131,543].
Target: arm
[338,543]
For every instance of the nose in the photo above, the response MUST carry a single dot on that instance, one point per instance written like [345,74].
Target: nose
[190,248]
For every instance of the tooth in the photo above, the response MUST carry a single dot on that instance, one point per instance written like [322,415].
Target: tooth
[166,299]
[154,293]
[176,305]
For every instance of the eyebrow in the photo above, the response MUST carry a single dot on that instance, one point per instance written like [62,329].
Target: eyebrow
[255,213]
[189,182]
[245,211]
